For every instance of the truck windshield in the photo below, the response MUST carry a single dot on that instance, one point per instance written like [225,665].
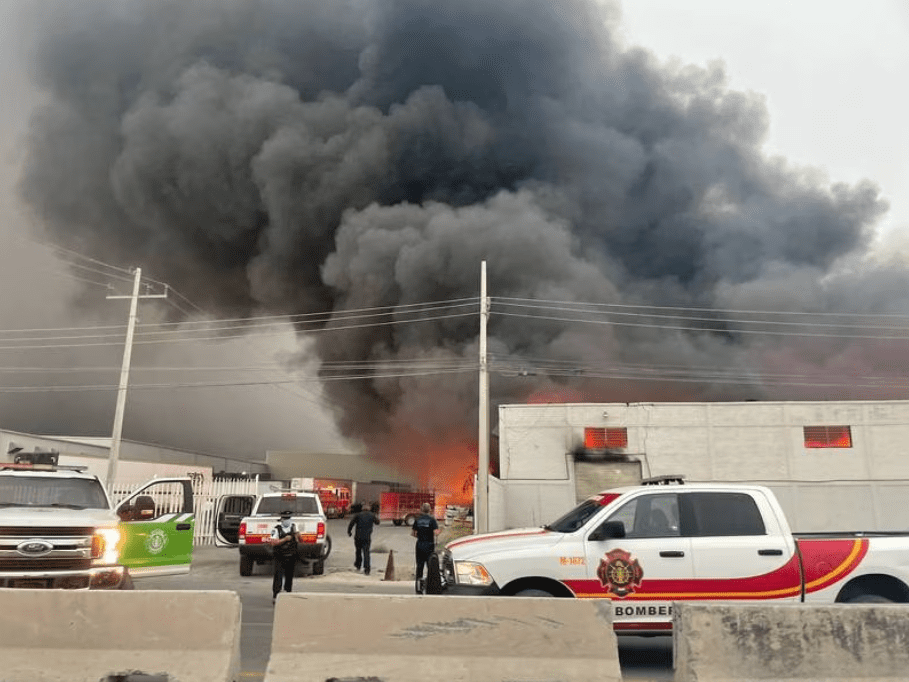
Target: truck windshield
[40,491]
[272,506]
[576,518]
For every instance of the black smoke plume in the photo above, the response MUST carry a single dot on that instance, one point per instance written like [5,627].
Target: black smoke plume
[297,156]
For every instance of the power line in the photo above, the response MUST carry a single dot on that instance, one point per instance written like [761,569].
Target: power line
[562,304]
[273,320]
[224,337]
[69,252]
[716,320]
[765,332]
[225,384]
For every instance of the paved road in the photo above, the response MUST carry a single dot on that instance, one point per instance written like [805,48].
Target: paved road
[218,569]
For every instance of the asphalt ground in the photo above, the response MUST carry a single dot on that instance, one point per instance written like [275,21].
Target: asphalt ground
[217,568]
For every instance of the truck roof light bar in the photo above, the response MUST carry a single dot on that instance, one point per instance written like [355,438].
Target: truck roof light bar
[664,480]
[24,466]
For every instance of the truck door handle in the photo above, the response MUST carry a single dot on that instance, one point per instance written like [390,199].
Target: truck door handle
[770,552]
[673,554]
[183,526]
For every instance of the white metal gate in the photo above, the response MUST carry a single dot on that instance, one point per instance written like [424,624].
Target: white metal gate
[206,492]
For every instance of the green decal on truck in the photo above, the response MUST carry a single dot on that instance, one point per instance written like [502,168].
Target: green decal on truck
[157,524]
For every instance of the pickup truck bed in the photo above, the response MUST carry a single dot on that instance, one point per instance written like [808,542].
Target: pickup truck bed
[255,529]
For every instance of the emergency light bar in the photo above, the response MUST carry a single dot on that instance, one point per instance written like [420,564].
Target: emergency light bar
[27,466]
[664,480]
[47,457]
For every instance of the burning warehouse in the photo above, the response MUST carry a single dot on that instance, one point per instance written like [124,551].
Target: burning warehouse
[835,466]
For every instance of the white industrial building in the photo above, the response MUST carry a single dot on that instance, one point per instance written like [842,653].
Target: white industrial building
[834,465]
[137,461]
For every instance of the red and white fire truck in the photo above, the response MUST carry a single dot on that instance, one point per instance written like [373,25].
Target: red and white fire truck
[645,547]
[404,506]
[335,501]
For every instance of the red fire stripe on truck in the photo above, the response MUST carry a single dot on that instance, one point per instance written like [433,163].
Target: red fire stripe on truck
[825,563]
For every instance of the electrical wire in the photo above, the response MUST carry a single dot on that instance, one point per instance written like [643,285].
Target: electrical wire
[273,320]
[671,327]
[559,305]
[715,320]
[224,337]
[224,384]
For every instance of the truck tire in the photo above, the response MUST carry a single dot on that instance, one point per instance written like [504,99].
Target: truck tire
[409,519]
[127,582]
[397,522]
[433,575]
[869,599]
[318,567]
[327,550]
[533,593]
[246,565]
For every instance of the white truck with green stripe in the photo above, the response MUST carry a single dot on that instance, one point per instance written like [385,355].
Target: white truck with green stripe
[58,528]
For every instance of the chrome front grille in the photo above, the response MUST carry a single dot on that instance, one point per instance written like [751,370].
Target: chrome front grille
[67,551]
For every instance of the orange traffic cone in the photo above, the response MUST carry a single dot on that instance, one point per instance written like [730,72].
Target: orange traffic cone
[390,566]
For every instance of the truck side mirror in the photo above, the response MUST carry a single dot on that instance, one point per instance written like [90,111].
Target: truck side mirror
[608,530]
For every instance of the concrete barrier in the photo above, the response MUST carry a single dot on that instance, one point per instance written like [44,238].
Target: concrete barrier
[743,642]
[320,637]
[75,636]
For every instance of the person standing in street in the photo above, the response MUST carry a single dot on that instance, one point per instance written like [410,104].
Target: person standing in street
[425,530]
[283,541]
[363,522]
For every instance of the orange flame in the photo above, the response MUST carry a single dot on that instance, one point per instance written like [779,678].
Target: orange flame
[448,467]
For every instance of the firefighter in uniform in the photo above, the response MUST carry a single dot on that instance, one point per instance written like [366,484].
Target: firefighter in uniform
[283,540]
[425,530]
[363,523]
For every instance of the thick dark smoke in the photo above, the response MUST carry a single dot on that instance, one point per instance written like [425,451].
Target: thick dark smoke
[299,156]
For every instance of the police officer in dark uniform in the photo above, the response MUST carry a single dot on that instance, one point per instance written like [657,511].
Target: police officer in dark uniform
[425,530]
[363,521]
[283,540]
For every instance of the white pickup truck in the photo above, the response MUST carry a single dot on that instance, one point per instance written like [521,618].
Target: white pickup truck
[647,546]
[250,531]
[58,528]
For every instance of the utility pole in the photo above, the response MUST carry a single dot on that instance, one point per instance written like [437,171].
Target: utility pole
[481,513]
[124,376]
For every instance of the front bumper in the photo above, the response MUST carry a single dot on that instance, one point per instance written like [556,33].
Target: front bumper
[99,578]
[471,590]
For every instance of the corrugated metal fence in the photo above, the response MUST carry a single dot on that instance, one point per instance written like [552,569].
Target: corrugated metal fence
[206,492]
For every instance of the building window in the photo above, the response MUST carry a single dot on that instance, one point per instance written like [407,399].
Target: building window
[598,438]
[828,437]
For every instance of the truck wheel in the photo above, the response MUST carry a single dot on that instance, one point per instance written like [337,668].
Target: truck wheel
[318,567]
[533,593]
[869,599]
[408,520]
[246,565]
[433,575]
[327,550]
[397,522]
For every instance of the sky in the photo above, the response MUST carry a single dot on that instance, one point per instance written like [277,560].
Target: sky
[823,77]
[830,72]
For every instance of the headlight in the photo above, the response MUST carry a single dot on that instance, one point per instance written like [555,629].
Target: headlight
[472,573]
[105,545]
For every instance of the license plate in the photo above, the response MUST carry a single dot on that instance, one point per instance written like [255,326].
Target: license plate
[30,583]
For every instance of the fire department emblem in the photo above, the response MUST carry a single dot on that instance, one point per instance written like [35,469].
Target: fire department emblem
[619,572]
[156,541]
